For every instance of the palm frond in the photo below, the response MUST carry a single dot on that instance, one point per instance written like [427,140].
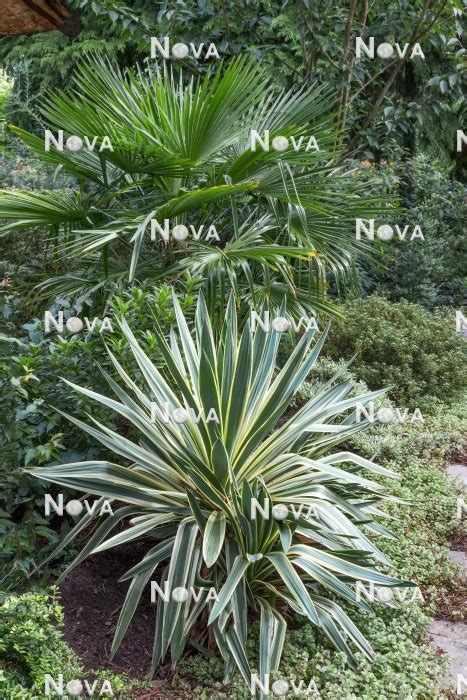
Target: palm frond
[181,150]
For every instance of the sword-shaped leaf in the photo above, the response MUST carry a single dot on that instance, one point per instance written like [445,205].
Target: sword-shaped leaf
[213,538]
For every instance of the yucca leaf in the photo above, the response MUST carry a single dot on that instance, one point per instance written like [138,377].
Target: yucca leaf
[293,583]
[238,653]
[177,577]
[335,563]
[151,560]
[101,532]
[286,536]
[225,594]
[132,599]
[213,538]
[131,533]
[271,641]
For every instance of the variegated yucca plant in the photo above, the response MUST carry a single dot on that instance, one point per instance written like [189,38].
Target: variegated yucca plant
[187,490]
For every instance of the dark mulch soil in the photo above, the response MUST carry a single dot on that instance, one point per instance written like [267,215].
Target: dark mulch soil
[92,598]
[459,541]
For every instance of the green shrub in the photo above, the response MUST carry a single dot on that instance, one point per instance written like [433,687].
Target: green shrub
[19,169]
[429,272]
[428,515]
[32,432]
[31,646]
[402,346]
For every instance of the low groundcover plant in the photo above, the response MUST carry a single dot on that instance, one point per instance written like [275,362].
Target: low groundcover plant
[201,491]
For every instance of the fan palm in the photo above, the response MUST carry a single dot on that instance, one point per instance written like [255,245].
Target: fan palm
[190,489]
[181,151]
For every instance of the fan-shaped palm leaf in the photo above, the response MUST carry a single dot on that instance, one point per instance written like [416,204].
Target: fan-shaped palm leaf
[180,150]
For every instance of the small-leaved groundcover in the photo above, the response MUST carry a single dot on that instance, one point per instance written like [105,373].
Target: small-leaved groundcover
[201,493]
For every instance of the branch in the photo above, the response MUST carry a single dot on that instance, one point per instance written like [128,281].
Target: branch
[226,21]
[281,60]
[363,13]
[435,19]
[344,99]
[325,54]
[348,30]
[360,89]
[383,70]
[397,67]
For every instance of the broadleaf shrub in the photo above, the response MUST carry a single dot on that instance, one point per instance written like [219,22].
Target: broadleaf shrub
[417,354]
[429,272]
[32,645]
